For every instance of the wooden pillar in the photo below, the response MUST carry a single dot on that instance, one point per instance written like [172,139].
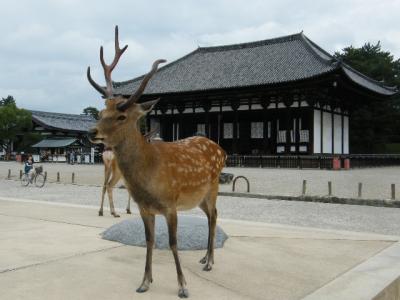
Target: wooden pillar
[274,131]
[288,126]
[342,117]
[235,130]
[207,107]
[207,124]
[265,130]
[297,133]
[333,129]
[322,129]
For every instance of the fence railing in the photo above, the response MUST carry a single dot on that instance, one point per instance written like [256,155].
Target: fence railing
[312,161]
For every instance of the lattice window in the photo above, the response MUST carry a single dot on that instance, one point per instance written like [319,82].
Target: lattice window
[228,130]
[201,129]
[304,136]
[281,136]
[257,130]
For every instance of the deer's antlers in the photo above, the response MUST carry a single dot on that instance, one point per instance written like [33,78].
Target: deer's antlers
[134,98]
[108,91]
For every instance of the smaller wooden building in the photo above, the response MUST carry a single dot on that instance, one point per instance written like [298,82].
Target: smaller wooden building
[62,134]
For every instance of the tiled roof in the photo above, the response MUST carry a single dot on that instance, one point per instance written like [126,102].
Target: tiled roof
[279,60]
[67,122]
[54,143]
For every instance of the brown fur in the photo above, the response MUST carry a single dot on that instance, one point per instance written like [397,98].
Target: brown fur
[163,177]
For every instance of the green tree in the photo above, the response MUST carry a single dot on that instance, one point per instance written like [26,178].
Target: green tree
[7,101]
[14,123]
[376,123]
[91,111]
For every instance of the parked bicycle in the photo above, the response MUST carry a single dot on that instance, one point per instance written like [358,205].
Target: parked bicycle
[37,177]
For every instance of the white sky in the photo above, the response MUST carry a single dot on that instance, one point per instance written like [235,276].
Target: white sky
[46,46]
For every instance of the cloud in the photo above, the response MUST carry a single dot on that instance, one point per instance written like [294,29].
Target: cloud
[47,45]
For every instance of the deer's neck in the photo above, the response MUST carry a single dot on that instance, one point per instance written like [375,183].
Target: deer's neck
[135,158]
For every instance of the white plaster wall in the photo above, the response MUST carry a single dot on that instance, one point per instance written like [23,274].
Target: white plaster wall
[337,134]
[317,131]
[327,133]
[346,135]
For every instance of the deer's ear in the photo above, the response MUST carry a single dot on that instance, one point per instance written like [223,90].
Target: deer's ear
[146,107]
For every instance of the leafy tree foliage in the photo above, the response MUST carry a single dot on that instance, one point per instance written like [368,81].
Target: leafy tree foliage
[15,123]
[7,101]
[377,123]
[92,111]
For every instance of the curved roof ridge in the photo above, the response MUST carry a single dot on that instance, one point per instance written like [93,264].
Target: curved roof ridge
[380,83]
[49,113]
[281,39]
[277,40]
[317,51]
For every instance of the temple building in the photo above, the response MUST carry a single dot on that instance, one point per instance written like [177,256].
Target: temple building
[279,96]
[62,133]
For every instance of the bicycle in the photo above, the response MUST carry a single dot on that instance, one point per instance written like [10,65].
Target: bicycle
[38,178]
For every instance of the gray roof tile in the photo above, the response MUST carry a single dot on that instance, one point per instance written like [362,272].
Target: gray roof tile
[59,121]
[278,60]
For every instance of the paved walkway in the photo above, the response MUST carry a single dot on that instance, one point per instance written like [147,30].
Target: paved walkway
[54,251]
[376,181]
[319,215]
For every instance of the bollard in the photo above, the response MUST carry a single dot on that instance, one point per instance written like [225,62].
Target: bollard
[9,174]
[58,176]
[393,188]
[45,175]
[73,177]
[303,192]
[359,190]
[329,188]
[20,174]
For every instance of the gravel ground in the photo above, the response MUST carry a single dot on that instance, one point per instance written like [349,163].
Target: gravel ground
[319,215]
[376,181]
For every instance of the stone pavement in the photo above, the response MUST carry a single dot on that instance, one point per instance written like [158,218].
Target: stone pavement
[285,182]
[54,251]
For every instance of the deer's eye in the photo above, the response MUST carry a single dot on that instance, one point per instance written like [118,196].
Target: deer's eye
[121,118]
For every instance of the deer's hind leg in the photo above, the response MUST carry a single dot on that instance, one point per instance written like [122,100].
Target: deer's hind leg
[110,187]
[209,207]
[107,174]
[128,206]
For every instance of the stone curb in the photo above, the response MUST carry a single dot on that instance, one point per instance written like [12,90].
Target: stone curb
[333,200]
[377,278]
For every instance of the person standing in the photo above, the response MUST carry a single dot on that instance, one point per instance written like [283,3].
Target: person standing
[72,157]
[29,168]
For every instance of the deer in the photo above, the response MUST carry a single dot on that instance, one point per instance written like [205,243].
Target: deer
[162,177]
[112,175]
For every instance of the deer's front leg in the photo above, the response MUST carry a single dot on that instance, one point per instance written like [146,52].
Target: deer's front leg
[148,221]
[172,221]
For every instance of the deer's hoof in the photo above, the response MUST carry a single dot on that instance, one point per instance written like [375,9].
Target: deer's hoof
[100,213]
[128,211]
[142,289]
[115,215]
[203,260]
[183,293]
[207,267]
